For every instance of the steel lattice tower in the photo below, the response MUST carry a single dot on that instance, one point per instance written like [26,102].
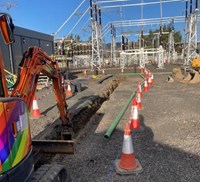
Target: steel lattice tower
[142,58]
[97,38]
[113,44]
[171,47]
[160,57]
[190,35]
[171,43]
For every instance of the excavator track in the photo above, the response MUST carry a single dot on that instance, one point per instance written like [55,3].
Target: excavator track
[50,173]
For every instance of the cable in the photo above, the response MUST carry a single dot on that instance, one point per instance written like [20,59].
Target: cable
[78,21]
[83,26]
[68,19]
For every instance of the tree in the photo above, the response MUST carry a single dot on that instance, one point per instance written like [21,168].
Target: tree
[77,38]
[69,37]
[151,40]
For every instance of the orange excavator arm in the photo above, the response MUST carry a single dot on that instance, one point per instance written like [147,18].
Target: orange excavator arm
[34,62]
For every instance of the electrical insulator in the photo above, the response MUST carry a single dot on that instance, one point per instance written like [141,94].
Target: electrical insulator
[123,45]
[126,43]
[91,14]
[197,4]
[95,12]
[186,9]
[190,6]
[100,16]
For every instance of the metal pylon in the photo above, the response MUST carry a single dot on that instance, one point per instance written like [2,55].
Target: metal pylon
[171,47]
[190,39]
[97,38]
[113,45]
[160,57]
[142,58]
[123,59]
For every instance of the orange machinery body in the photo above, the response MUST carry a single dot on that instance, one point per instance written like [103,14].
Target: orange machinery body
[16,159]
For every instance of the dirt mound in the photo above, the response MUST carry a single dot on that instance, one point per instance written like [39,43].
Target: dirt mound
[177,74]
[192,77]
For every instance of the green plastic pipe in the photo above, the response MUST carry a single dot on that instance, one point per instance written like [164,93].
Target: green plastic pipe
[130,74]
[118,118]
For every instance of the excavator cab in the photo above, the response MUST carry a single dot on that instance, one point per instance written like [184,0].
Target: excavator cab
[15,136]
[16,144]
[7,28]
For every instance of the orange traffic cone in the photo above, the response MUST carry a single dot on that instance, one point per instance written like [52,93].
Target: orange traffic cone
[135,124]
[85,73]
[142,70]
[152,78]
[35,110]
[134,104]
[146,88]
[139,102]
[127,164]
[149,80]
[145,72]
[64,84]
[69,90]
[140,88]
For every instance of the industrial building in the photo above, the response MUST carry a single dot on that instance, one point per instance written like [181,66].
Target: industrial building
[24,38]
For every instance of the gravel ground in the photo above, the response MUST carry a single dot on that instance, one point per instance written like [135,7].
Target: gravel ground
[168,148]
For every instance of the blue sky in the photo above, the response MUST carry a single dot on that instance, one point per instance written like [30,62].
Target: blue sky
[48,15]
[41,15]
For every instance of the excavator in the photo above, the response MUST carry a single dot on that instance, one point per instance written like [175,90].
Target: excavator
[16,144]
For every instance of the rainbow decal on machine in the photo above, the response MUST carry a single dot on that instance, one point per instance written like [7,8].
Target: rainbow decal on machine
[15,136]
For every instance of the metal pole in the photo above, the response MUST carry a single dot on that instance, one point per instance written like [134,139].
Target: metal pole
[11,59]
[139,4]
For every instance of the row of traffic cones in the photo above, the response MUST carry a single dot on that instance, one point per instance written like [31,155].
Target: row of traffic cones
[35,109]
[128,164]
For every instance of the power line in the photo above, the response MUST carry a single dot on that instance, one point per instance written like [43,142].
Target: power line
[68,19]
[8,5]
[78,21]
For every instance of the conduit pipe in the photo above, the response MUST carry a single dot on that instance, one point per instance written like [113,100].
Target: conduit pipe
[119,116]
[121,113]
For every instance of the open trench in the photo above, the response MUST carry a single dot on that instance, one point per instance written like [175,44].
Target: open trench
[81,116]
[91,106]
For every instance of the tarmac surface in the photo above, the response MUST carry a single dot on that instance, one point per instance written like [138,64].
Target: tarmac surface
[168,148]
